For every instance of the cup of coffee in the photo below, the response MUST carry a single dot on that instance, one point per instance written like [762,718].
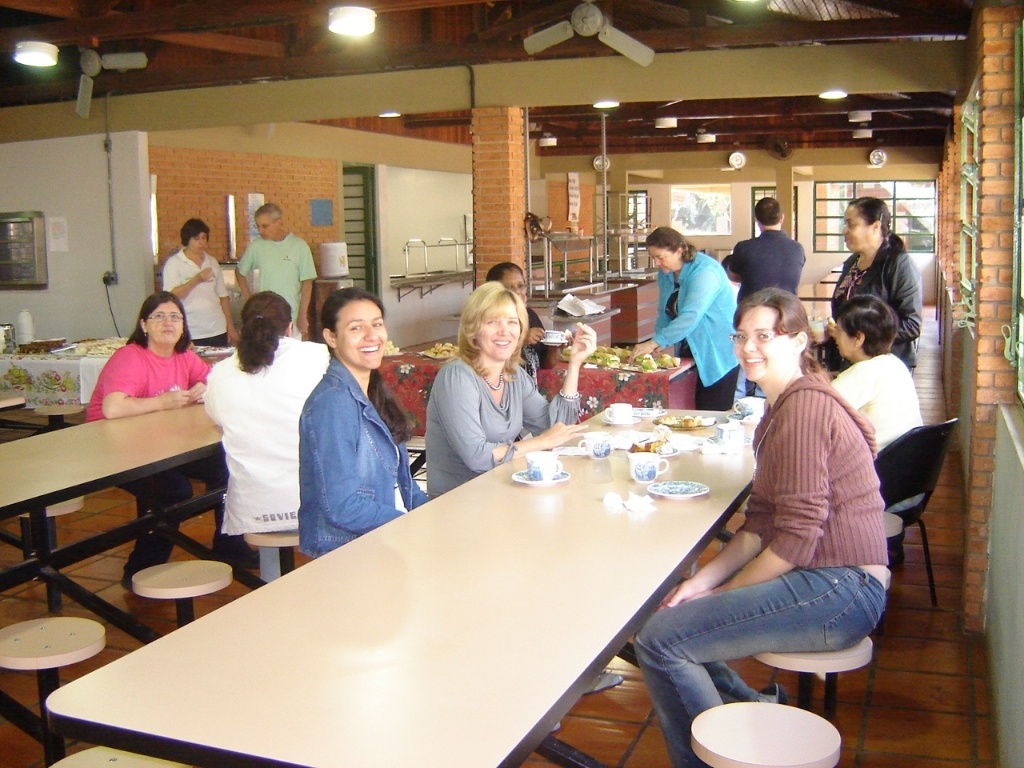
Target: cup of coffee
[749,406]
[645,467]
[598,445]
[542,466]
[554,337]
[731,433]
[619,413]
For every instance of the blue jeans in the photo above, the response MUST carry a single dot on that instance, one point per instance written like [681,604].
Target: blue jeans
[682,650]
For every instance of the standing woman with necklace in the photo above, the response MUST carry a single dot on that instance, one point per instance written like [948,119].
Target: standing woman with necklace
[194,276]
[481,401]
[879,266]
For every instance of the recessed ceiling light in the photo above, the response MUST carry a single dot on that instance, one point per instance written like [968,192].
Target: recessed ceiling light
[666,122]
[606,104]
[707,138]
[860,116]
[862,133]
[35,54]
[390,114]
[833,94]
[548,141]
[351,21]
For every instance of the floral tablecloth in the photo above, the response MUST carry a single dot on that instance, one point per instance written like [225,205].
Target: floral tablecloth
[49,379]
[411,376]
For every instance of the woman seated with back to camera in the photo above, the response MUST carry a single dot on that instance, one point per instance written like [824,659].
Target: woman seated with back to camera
[481,402]
[805,572]
[878,384]
[353,465]
[256,396]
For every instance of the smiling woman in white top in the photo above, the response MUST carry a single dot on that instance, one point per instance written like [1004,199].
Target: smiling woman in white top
[878,384]
[256,396]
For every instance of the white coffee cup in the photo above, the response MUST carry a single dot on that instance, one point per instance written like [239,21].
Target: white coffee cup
[554,337]
[542,466]
[731,433]
[619,413]
[598,445]
[645,467]
[750,406]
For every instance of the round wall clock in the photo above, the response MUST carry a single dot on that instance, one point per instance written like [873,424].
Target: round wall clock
[737,160]
[877,157]
[602,163]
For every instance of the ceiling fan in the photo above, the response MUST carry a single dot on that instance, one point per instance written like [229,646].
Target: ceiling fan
[92,63]
[588,20]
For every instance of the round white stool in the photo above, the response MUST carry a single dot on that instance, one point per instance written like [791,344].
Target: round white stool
[55,415]
[760,735]
[180,582]
[45,645]
[827,663]
[105,757]
[276,552]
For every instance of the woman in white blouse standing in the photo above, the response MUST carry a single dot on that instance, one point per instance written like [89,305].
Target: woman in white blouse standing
[194,276]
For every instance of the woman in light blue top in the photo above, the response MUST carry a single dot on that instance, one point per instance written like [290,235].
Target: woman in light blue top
[481,402]
[698,305]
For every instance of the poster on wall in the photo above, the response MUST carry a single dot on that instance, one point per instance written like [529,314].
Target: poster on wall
[253,201]
[574,197]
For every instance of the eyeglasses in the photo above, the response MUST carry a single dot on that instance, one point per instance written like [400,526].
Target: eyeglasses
[159,317]
[760,337]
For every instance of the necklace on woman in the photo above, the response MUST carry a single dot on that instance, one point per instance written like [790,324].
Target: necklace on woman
[499,385]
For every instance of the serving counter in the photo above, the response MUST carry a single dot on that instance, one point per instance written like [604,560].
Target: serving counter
[411,376]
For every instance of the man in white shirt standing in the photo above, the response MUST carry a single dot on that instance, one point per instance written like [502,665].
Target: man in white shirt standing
[285,264]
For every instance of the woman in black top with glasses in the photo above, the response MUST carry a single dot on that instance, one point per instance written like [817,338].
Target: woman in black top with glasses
[879,267]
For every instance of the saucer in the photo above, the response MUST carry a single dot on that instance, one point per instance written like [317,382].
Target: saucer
[677,489]
[524,478]
[649,413]
[631,422]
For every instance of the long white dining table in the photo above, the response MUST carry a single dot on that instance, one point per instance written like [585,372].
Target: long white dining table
[456,635]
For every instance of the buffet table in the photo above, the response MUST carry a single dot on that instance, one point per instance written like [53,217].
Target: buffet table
[49,379]
[542,589]
[411,375]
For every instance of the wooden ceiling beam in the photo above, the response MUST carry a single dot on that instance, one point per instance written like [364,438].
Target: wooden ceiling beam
[216,41]
[61,9]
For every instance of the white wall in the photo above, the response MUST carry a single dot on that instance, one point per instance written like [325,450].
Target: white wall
[427,205]
[1005,620]
[67,178]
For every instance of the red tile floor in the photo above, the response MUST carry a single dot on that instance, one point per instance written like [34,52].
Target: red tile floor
[923,701]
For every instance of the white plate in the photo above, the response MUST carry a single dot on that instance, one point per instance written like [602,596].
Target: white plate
[631,422]
[649,413]
[523,477]
[677,489]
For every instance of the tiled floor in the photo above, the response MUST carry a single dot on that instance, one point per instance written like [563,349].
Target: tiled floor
[922,702]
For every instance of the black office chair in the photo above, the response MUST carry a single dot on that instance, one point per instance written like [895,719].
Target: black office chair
[908,469]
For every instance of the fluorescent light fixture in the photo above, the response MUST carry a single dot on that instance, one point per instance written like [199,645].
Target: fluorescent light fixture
[548,141]
[862,133]
[390,114]
[606,104]
[833,94]
[35,54]
[707,138]
[666,122]
[860,116]
[351,21]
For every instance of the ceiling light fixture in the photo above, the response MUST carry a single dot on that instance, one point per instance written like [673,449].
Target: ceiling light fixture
[390,114]
[862,133]
[606,104]
[548,141]
[707,138]
[666,122]
[351,21]
[860,116]
[833,94]
[35,54]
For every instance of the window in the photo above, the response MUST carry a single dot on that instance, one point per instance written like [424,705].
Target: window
[704,209]
[759,193]
[1014,349]
[912,204]
[968,256]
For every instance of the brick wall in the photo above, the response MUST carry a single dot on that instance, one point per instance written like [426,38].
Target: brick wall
[194,183]
[499,187]
[992,378]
